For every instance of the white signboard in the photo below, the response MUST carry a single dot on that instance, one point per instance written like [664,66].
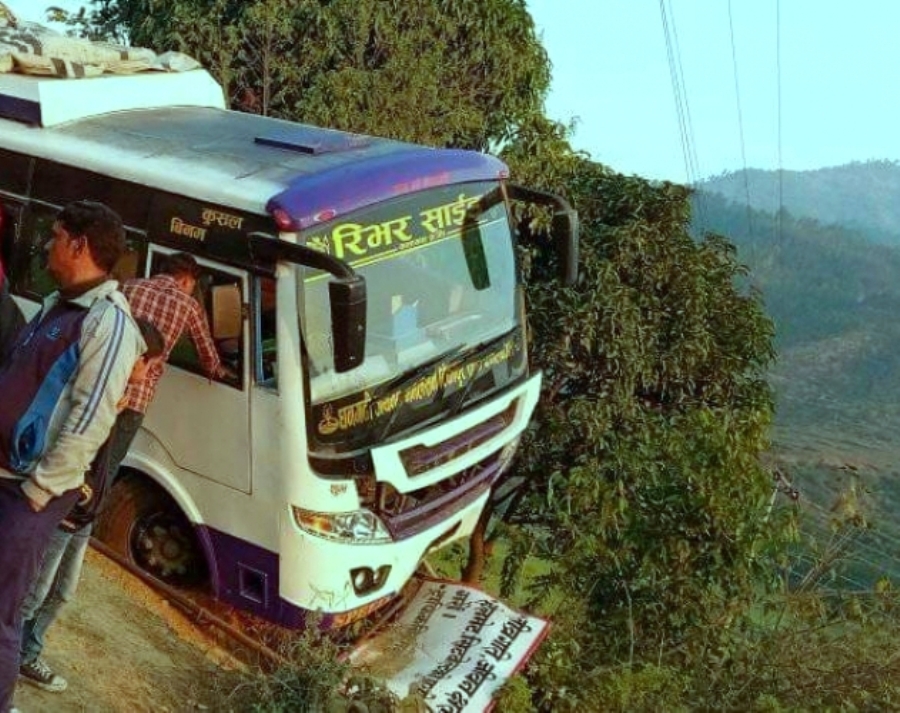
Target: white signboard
[454,645]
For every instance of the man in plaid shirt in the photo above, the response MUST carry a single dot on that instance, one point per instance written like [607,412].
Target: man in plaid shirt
[165,300]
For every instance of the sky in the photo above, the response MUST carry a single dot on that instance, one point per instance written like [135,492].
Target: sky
[836,62]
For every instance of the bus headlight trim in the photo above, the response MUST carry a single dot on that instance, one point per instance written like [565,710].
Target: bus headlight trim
[357,526]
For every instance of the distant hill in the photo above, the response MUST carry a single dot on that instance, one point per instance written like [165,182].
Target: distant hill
[829,274]
[835,300]
[818,281]
[863,196]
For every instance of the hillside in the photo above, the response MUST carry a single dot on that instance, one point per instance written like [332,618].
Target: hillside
[858,196]
[818,280]
[834,295]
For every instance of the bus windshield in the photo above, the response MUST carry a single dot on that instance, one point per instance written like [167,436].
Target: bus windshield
[440,277]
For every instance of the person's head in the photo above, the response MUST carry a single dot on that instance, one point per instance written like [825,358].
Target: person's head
[155,350]
[88,239]
[184,269]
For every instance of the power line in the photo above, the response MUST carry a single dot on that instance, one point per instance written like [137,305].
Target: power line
[692,145]
[857,546]
[737,97]
[682,109]
[778,215]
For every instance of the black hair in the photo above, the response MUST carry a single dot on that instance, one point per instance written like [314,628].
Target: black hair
[181,264]
[100,225]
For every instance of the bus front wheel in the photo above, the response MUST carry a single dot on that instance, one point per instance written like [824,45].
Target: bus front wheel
[143,524]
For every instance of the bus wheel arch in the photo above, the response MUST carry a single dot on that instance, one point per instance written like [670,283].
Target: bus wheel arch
[141,522]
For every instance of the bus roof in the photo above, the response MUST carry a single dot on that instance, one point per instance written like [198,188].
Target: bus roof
[185,143]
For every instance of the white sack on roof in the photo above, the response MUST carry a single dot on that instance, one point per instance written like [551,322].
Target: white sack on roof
[31,48]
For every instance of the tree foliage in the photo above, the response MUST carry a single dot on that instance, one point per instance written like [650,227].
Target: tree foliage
[644,485]
[460,73]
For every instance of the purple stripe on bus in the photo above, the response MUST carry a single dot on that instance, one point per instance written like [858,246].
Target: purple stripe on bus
[20,109]
[236,558]
[345,188]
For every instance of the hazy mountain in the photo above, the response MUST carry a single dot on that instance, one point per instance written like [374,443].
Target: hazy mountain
[818,280]
[861,196]
[835,298]
[829,274]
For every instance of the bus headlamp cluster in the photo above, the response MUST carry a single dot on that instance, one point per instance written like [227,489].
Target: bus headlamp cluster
[359,526]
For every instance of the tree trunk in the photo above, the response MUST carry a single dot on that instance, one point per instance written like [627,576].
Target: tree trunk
[478,549]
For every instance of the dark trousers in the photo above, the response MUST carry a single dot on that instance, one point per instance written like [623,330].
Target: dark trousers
[128,423]
[24,535]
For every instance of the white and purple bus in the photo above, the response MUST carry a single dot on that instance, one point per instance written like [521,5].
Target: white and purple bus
[365,294]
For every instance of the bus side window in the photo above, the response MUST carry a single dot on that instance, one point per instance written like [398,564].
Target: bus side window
[8,219]
[35,282]
[220,295]
[129,265]
[266,350]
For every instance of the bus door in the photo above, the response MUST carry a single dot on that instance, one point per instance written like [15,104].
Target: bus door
[204,424]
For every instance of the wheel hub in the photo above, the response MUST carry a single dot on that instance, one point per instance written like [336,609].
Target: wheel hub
[163,547]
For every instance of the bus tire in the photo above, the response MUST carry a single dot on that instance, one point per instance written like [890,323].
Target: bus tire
[142,523]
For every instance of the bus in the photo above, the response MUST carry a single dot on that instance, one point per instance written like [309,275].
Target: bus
[366,296]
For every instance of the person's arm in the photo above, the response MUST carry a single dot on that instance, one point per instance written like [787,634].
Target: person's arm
[198,331]
[110,345]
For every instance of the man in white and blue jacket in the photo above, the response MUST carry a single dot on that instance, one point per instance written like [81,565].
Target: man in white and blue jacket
[59,388]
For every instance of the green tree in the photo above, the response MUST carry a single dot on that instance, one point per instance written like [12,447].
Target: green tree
[644,489]
[462,73]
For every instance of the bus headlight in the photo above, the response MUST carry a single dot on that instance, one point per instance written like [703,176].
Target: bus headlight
[359,526]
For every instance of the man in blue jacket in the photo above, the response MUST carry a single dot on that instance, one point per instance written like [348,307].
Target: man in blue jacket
[60,386]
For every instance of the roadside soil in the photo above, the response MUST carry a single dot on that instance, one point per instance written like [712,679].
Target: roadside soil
[122,647]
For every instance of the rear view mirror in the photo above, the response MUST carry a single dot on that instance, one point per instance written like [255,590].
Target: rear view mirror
[347,295]
[348,321]
[563,230]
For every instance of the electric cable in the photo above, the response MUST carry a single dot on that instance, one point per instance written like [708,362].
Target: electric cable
[740,116]
[678,91]
[778,216]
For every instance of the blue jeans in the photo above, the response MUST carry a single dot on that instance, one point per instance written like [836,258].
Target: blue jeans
[63,560]
[55,585]
[25,536]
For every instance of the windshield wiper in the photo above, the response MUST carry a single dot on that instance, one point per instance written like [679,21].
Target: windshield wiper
[432,365]
[411,376]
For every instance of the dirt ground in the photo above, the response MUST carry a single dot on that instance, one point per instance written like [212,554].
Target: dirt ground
[122,647]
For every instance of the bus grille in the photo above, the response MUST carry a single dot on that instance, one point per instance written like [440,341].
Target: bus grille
[408,514]
[421,459]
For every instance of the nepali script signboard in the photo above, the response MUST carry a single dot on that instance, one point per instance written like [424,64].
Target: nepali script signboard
[454,646]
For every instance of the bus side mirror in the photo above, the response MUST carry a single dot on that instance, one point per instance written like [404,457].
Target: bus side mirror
[348,321]
[346,292]
[565,229]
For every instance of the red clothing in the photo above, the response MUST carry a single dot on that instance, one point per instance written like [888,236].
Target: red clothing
[159,300]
